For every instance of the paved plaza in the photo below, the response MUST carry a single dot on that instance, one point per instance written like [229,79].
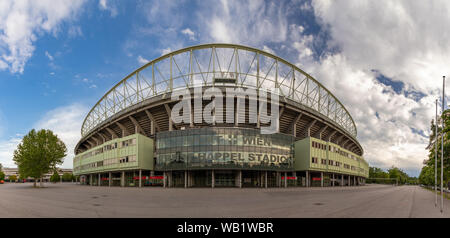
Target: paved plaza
[73,200]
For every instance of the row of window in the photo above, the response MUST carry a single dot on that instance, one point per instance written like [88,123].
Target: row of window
[126,159]
[315,160]
[334,149]
[108,147]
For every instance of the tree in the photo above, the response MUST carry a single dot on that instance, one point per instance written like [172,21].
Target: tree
[55,177]
[1,167]
[38,153]
[2,175]
[12,178]
[67,177]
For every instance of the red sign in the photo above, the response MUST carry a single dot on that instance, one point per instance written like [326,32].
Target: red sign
[289,178]
[148,177]
[316,179]
[105,179]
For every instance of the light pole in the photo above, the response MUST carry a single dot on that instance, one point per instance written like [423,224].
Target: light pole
[442,145]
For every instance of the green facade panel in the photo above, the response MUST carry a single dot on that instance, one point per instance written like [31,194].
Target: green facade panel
[305,151]
[126,153]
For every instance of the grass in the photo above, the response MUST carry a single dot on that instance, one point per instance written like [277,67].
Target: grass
[446,195]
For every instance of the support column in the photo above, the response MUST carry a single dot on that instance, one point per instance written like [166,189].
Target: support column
[279,179]
[348,176]
[110,179]
[185,179]
[122,179]
[169,182]
[321,179]
[342,180]
[213,179]
[333,181]
[90,180]
[140,178]
[354,180]
[99,180]
[285,179]
[240,178]
[265,178]
[307,178]
[164,179]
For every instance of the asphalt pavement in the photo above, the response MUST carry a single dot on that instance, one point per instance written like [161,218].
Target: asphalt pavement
[73,200]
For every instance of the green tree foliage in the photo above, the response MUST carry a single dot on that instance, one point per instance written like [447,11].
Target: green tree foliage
[55,177]
[12,178]
[67,177]
[392,176]
[2,175]
[427,175]
[38,153]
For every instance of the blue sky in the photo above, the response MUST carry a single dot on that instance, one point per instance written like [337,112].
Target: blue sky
[382,59]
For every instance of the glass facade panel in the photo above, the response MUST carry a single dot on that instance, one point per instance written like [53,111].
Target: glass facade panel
[237,148]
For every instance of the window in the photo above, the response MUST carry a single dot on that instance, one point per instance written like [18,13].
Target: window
[330,162]
[314,160]
[323,161]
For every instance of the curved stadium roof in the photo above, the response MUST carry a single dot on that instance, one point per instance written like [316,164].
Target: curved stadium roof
[199,65]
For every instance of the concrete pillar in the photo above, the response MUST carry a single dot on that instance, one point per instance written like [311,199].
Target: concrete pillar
[348,180]
[122,179]
[169,181]
[342,180]
[333,181]
[213,179]
[321,179]
[185,179]
[278,179]
[265,178]
[90,180]
[240,178]
[354,180]
[164,179]
[307,178]
[99,180]
[110,179]
[285,179]
[140,178]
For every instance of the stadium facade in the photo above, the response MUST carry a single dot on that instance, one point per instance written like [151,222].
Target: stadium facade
[132,137]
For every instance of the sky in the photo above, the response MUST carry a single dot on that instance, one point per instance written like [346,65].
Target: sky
[384,60]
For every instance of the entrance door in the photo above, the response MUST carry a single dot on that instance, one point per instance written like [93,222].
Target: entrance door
[225,178]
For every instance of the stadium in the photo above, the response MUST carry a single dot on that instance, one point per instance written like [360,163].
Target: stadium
[133,136]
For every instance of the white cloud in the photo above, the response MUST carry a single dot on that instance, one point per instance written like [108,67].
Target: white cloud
[248,22]
[74,31]
[66,122]
[7,148]
[108,6]
[22,22]
[166,51]
[189,33]
[49,56]
[142,60]
[405,40]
